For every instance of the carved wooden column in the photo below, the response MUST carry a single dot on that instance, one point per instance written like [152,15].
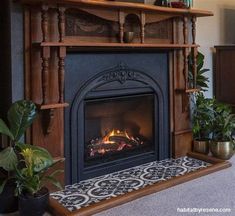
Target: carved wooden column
[185,98]
[45,54]
[61,56]
[121,25]
[61,23]
[142,26]
[44,23]
[194,52]
[45,73]
[185,33]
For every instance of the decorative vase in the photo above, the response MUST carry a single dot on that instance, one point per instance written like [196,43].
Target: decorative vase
[8,200]
[128,37]
[201,147]
[222,150]
[34,206]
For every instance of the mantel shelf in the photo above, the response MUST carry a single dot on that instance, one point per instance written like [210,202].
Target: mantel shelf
[118,45]
[124,6]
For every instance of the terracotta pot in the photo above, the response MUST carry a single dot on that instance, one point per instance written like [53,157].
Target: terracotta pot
[34,206]
[201,146]
[222,150]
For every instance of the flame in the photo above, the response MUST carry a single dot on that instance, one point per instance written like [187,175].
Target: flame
[116,132]
[110,142]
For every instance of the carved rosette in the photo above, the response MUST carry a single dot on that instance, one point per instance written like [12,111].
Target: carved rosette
[121,73]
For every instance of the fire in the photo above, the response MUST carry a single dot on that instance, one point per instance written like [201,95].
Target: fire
[114,141]
[113,133]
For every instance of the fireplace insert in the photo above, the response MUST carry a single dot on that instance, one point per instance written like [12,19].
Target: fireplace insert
[119,114]
[118,127]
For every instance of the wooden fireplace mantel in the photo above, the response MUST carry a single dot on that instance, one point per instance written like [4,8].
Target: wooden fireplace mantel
[123,5]
[53,27]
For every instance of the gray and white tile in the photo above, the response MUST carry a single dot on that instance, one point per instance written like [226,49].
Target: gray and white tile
[88,192]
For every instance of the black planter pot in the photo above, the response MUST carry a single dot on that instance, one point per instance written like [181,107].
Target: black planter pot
[34,206]
[8,200]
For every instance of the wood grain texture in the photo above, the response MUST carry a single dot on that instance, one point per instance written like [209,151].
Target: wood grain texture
[124,5]
[224,74]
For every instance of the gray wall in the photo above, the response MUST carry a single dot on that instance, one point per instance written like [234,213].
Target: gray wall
[215,30]
[11,54]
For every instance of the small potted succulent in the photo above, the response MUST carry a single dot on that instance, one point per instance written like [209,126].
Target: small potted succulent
[223,126]
[20,116]
[31,180]
[201,121]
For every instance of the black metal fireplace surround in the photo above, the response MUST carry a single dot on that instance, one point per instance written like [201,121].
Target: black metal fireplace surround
[119,114]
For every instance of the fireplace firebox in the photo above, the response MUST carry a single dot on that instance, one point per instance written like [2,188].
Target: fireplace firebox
[119,115]
[118,127]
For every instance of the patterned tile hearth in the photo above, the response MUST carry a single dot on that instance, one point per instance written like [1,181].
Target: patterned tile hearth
[88,192]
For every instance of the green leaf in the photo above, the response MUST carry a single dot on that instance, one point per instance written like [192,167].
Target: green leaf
[202,71]
[8,159]
[20,116]
[5,130]
[54,181]
[2,185]
[42,159]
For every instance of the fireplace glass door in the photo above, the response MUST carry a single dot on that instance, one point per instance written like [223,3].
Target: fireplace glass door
[118,127]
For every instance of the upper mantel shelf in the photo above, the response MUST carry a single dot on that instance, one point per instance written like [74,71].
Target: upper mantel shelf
[124,5]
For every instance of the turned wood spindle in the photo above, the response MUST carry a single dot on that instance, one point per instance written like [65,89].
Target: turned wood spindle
[44,23]
[61,23]
[142,27]
[195,53]
[186,67]
[45,74]
[185,34]
[185,29]
[194,19]
[61,64]
[121,25]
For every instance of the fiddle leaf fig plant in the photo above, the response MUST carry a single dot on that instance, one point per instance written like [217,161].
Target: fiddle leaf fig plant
[20,116]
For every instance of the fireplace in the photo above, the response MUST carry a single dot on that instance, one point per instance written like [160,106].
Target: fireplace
[119,116]
[64,84]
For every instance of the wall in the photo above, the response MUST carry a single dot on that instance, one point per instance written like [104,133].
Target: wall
[11,54]
[216,30]
[5,75]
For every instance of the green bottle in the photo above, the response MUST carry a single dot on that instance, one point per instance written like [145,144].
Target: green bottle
[187,3]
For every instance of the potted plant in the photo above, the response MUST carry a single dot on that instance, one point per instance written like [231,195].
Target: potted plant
[201,123]
[20,116]
[31,179]
[223,126]
[202,107]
